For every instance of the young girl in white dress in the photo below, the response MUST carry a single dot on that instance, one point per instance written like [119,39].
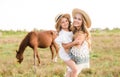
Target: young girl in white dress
[63,24]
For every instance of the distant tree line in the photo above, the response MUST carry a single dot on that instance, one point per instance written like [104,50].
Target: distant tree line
[106,29]
[92,30]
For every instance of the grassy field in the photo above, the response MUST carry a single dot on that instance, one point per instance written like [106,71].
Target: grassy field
[104,57]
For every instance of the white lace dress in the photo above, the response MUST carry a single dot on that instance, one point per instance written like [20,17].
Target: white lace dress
[80,54]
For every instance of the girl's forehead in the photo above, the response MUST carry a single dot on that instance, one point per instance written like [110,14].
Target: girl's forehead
[63,19]
[78,15]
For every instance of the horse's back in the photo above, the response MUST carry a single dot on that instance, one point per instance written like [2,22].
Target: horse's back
[46,38]
[42,38]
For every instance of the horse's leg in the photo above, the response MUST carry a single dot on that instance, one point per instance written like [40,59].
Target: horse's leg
[56,49]
[52,50]
[36,55]
[34,60]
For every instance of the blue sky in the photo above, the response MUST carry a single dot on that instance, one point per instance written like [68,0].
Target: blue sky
[40,14]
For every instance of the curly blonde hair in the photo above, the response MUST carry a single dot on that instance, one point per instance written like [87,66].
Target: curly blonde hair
[58,26]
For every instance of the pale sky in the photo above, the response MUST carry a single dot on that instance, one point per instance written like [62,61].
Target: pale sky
[40,14]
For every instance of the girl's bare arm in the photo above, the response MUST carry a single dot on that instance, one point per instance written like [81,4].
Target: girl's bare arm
[67,46]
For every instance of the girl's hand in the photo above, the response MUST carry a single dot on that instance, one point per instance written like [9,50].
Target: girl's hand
[76,41]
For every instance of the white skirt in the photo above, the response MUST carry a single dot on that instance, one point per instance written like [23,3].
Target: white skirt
[63,55]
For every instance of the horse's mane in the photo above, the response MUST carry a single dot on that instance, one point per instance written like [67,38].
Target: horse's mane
[24,42]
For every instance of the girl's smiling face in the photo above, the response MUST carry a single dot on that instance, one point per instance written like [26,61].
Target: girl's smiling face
[77,20]
[64,23]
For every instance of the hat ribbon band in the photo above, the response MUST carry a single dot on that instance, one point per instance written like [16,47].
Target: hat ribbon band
[58,18]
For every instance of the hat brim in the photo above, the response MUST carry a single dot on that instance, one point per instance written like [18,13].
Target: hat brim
[84,14]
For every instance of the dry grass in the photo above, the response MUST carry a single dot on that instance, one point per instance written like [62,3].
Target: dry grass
[105,58]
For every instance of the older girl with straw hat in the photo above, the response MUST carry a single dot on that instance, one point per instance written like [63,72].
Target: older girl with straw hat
[81,22]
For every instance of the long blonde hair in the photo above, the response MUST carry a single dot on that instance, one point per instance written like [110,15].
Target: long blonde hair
[85,30]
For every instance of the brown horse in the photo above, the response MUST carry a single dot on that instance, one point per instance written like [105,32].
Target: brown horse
[35,39]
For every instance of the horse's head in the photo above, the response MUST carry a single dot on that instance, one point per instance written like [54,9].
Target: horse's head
[19,56]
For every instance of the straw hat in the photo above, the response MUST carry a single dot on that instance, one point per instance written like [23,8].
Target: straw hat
[58,17]
[84,14]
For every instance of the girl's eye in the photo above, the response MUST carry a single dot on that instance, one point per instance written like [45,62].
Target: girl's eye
[75,18]
[79,18]
[66,21]
[62,22]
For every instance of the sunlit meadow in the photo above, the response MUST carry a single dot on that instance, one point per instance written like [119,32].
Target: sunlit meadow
[104,57]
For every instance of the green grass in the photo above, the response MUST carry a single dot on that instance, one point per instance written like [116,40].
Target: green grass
[104,57]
